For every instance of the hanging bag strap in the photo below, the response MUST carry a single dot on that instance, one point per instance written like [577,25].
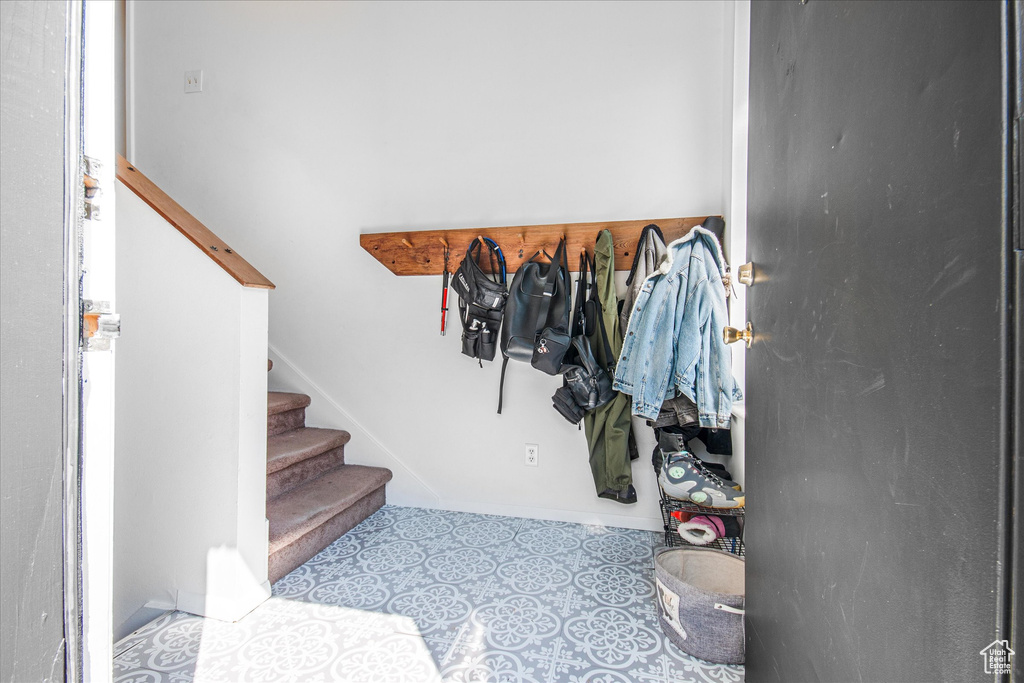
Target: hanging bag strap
[464,305]
[582,285]
[609,359]
[559,264]
[496,255]
[501,384]
[473,252]
[497,259]
[567,279]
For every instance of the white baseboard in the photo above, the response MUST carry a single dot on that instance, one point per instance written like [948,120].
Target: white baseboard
[555,515]
[142,616]
[223,608]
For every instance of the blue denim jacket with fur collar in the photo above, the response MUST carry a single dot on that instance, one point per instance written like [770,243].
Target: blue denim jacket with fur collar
[673,343]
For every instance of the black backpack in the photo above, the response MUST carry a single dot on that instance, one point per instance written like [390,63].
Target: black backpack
[481,300]
[538,298]
[536,325]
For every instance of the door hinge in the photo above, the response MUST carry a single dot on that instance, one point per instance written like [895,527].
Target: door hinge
[91,181]
[99,325]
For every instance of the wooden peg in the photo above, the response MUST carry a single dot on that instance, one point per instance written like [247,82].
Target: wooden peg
[481,238]
[443,241]
[407,243]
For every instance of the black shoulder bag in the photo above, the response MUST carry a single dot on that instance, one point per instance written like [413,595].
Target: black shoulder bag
[585,384]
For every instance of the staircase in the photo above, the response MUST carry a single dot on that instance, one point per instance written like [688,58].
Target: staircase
[313,497]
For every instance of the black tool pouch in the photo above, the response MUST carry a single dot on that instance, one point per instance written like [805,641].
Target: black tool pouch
[481,303]
[480,342]
[471,342]
[488,345]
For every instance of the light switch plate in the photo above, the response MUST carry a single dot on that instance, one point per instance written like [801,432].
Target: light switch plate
[194,81]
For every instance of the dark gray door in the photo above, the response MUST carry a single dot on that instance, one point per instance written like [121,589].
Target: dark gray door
[878,408]
[34,286]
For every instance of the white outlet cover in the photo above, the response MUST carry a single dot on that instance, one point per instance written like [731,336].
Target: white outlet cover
[532,455]
[194,81]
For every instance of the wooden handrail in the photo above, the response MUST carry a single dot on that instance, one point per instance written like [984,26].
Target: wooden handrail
[189,226]
[420,253]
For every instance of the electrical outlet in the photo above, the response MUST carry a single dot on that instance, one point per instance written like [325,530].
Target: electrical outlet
[532,454]
[194,81]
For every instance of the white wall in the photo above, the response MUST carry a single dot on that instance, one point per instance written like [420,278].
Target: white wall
[191,403]
[319,121]
[120,101]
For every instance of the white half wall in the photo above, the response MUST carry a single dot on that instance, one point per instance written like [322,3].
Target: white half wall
[191,435]
[322,120]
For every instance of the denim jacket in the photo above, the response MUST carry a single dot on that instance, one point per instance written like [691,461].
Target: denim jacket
[673,342]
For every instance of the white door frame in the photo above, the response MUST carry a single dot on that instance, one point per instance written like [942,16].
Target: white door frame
[89,375]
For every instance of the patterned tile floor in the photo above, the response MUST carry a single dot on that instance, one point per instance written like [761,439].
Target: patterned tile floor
[415,595]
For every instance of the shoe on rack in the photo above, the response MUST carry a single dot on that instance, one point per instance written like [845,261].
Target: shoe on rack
[670,443]
[720,472]
[708,469]
[681,477]
[714,468]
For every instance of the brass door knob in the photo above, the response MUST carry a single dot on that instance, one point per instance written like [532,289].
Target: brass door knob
[732,335]
[745,274]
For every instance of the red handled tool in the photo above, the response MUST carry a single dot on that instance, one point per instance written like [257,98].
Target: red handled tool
[444,290]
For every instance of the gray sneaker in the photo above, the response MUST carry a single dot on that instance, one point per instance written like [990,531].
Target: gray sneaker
[670,443]
[682,477]
[716,472]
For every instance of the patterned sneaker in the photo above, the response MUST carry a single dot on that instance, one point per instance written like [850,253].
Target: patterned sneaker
[681,477]
[706,468]
[670,443]
[717,470]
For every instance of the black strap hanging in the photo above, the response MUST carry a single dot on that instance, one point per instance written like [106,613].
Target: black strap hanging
[582,292]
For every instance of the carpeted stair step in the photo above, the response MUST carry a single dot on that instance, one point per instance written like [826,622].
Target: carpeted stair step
[301,455]
[285,411]
[308,518]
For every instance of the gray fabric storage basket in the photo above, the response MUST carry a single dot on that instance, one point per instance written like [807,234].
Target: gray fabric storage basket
[701,602]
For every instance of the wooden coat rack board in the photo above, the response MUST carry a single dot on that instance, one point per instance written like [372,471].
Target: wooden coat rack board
[421,252]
